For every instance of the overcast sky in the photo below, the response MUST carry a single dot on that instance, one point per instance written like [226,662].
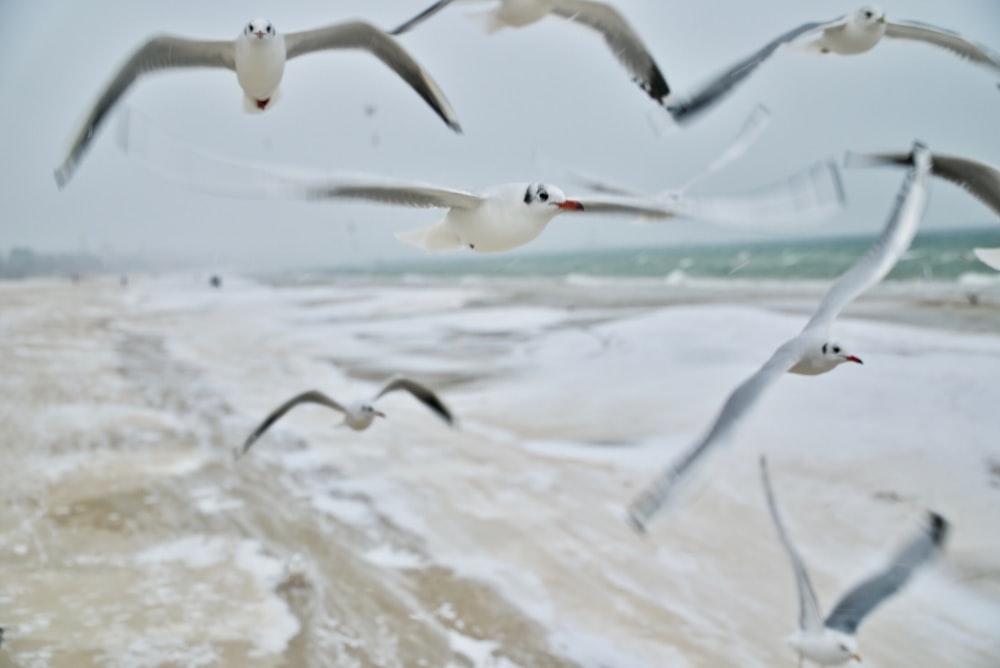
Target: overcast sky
[551,88]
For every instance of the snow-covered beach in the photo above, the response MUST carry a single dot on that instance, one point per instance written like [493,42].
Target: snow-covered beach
[130,536]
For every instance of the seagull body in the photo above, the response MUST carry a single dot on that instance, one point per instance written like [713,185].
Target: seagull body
[493,220]
[812,352]
[358,415]
[621,38]
[852,34]
[258,57]
[832,642]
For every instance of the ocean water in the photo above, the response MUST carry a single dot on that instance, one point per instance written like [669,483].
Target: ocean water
[934,256]
[131,537]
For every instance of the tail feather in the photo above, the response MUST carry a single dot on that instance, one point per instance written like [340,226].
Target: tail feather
[434,238]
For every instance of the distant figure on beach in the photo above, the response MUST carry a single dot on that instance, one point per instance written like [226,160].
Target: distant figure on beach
[215,281]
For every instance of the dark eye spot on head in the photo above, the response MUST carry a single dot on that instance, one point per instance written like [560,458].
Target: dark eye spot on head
[543,195]
[836,349]
[868,15]
[270,29]
[527,196]
[824,349]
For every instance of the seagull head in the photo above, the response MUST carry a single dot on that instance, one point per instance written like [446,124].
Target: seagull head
[550,199]
[368,409]
[846,647]
[870,15]
[837,354]
[259,29]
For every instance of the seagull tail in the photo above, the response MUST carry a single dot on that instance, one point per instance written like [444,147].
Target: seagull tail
[434,238]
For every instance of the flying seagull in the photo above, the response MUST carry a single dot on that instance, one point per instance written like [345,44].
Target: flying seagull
[621,38]
[832,642]
[258,57]
[358,415]
[852,34]
[979,179]
[494,220]
[812,352]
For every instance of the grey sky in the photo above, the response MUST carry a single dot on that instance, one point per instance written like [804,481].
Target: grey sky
[552,88]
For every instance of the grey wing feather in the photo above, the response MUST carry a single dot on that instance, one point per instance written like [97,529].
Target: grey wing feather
[627,205]
[159,53]
[911,202]
[848,614]
[665,486]
[687,109]
[623,41]
[310,397]
[810,617]
[421,393]
[360,35]
[979,179]
[419,196]
[946,39]
[421,17]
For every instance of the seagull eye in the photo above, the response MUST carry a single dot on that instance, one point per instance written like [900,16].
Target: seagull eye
[542,195]
[836,349]
[270,29]
[868,15]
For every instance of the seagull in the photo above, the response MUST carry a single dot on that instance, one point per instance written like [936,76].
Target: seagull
[358,415]
[979,179]
[621,38]
[258,57]
[852,34]
[832,642]
[810,353]
[493,220]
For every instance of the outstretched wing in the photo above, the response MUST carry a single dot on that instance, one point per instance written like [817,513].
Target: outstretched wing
[360,35]
[911,202]
[421,17]
[810,617]
[159,53]
[422,394]
[988,256]
[946,39]
[665,486]
[310,397]
[687,109]
[848,614]
[623,41]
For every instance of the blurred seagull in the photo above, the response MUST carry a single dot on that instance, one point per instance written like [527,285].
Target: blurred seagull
[258,57]
[979,179]
[811,352]
[358,415]
[623,41]
[832,642]
[849,35]
[495,220]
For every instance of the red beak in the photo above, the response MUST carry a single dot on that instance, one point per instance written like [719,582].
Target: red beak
[260,34]
[382,415]
[571,205]
[852,358]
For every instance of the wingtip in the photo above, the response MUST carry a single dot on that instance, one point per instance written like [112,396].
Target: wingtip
[938,527]
[62,175]
[635,522]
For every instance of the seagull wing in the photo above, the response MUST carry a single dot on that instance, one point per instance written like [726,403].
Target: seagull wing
[946,39]
[612,204]
[621,39]
[395,192]
[686,109]
[810,617]
[979,179]
[360,35]
[748,135]
[421,393]
[310,397]
[911,202]
[848,614]
[665,486]
[988,256]
[159,53]
[421,17]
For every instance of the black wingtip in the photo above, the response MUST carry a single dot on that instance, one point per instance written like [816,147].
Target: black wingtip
[62,175]
[938,527]
[637,524]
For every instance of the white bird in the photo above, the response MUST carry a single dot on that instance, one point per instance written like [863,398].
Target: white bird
[258,57]
[358,415]
[979,179]
[621,38]
[812,352]
[852,34]
[494,220]
[832,642]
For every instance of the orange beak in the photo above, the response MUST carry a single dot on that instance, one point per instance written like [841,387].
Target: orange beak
[570,205]
[852,358]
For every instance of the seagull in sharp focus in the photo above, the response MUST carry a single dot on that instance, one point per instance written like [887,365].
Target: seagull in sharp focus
[258,57]
[852,34]
[810,353]
[979,179]
[832,642]
[494,220]
[358,415]
[621,38]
